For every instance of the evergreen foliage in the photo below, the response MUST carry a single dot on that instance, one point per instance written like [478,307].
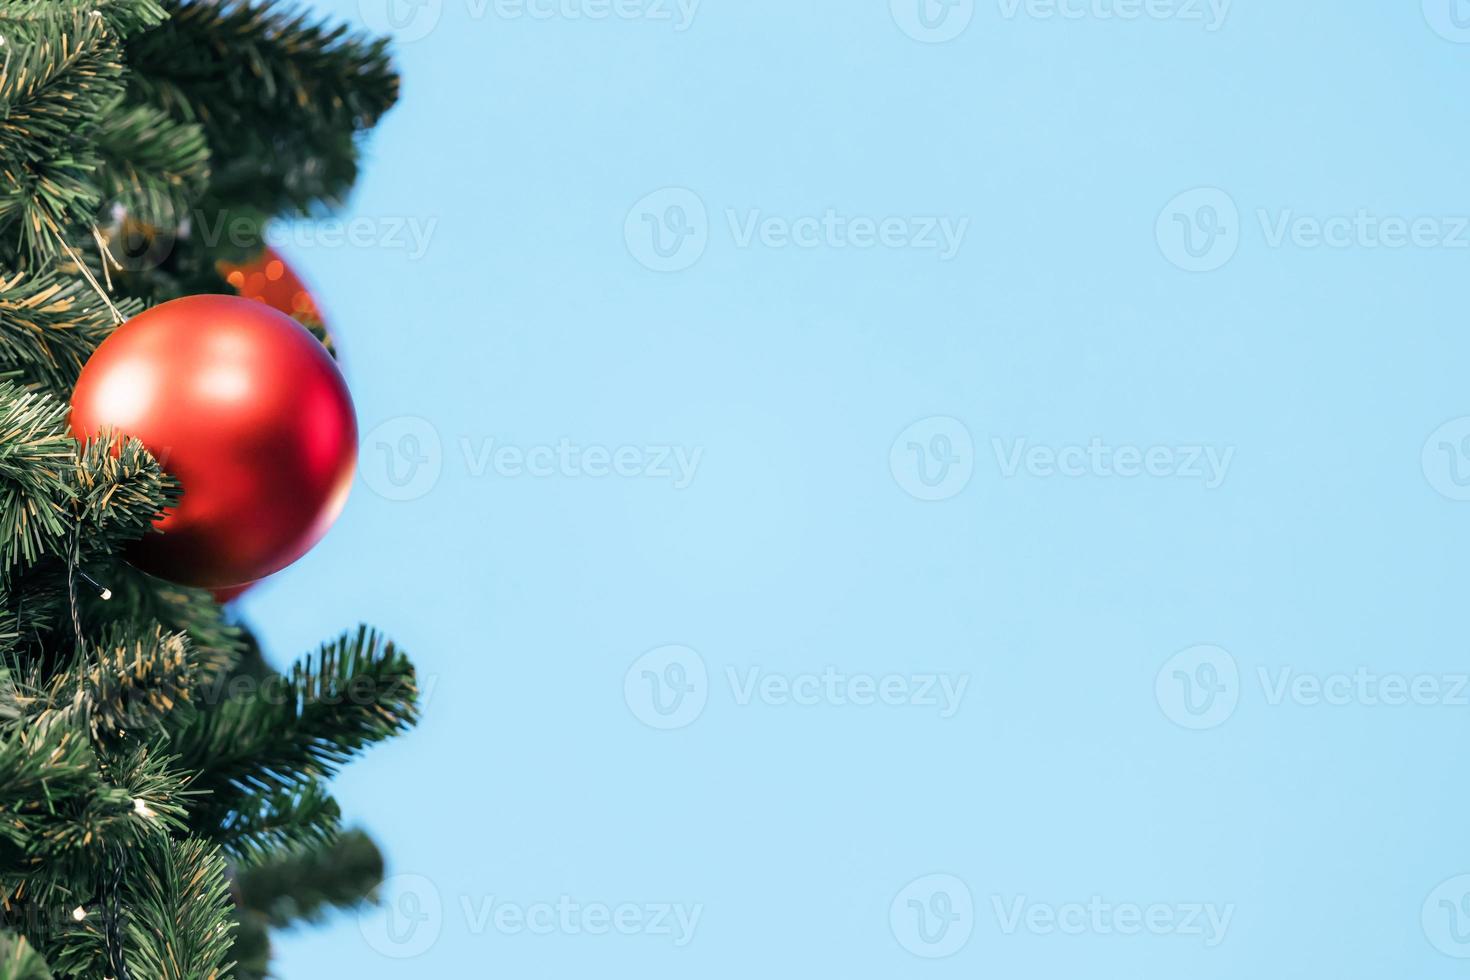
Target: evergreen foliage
[163,791]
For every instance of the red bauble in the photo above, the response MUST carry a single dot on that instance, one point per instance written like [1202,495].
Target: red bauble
[268,278]
[246,409]
[230,592]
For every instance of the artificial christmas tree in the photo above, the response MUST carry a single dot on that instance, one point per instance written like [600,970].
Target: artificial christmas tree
[162,789]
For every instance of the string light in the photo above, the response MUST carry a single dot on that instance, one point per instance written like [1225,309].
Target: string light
[142,809]
[102,590]
[78,913]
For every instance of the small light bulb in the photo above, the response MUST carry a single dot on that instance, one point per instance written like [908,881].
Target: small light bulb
[141,808]
[78,913]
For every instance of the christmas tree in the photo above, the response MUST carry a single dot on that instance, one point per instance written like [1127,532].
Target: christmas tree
[163,797]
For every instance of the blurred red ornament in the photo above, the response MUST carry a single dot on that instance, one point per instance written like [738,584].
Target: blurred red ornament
[230,593]
[269,279]
[246,409]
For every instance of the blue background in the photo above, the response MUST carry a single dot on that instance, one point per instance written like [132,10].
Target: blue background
[524,600]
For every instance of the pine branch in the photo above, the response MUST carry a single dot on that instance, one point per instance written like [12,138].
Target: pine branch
[216,645]
[304,886]
[64,807]
[52,489]
[127,682]
[18,961]
[61,72]
[49,326]
[40,765]
[119,490]
[179,923]
[132,682]
[35,458]
[354,692]
[286,821]
[123,17]
[280,96]
[152,166]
